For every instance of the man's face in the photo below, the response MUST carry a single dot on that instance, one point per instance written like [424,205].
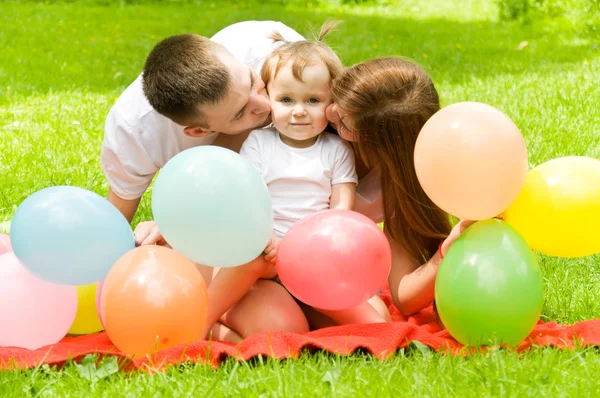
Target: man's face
[245,107]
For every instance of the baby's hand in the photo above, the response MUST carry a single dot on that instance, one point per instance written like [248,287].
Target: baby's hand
[147,233]
[271,249]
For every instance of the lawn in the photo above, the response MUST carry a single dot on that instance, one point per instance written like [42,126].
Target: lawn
[63,65]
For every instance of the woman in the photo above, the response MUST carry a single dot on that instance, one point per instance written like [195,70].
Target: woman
[380,106]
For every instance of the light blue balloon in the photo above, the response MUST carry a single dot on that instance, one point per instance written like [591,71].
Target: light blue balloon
[69,236]
[212,206]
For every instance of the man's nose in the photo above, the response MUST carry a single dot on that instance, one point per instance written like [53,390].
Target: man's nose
[260,103]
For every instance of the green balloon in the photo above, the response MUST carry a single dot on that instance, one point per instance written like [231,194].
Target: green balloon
[489,288]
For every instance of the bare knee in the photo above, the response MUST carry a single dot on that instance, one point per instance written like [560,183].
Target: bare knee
[266,307]
[281,310]
[221,332]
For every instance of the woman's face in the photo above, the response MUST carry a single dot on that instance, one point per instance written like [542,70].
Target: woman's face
[342,122]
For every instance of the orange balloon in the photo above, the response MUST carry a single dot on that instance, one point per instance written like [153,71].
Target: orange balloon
[471,160]
[153,298]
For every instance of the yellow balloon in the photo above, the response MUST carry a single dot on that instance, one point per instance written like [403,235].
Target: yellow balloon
[558,210]
[86,320]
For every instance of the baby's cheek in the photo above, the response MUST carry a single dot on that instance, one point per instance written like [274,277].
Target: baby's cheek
[278,116]
[322,115]
[276,111]
[320,123]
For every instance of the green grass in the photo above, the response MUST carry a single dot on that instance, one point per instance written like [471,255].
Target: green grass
[62,66]
[417,372]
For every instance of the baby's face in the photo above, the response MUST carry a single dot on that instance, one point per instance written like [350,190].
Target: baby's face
[298,108]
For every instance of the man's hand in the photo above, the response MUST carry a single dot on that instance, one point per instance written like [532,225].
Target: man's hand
[147,233]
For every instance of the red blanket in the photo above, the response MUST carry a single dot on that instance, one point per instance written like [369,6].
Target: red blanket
[380,340]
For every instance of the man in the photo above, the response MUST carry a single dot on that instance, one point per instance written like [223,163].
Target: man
[194,91]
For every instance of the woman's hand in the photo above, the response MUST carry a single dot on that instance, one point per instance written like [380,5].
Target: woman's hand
[454,234]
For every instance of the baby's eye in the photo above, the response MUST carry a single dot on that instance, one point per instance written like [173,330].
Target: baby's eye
[313,101]
[286,100]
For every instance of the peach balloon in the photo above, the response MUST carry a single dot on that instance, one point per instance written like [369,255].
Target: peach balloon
[471,160]
[153,298]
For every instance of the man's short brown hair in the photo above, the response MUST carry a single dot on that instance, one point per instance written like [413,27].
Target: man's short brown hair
[183,72]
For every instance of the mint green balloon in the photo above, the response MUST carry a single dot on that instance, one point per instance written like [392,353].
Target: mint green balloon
[489,288]
[212,206]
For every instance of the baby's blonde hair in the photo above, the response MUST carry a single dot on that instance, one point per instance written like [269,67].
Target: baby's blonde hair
[301,53]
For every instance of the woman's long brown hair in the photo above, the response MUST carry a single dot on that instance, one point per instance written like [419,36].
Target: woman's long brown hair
[389,100]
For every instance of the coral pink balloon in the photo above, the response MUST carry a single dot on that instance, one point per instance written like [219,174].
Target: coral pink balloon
[334,260]
[33,312]
[5,245]
[471,160]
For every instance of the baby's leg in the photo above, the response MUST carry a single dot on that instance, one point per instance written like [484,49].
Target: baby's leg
[218,331]
[221,332]
[362,313]
[266,306]
[372,311]
[379,306]
[227,286]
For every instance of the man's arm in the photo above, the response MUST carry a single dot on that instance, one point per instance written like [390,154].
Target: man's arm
[126,207]
[129,207]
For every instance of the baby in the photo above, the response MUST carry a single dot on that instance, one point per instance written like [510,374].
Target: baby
[306,169]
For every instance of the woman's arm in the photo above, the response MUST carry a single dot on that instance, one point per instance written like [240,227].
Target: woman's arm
[413,286]
[343,196]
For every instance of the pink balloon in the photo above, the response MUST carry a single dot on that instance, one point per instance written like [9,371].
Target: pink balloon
[471,160]
[98,296]
[33,312]
[5,245]
[334,260]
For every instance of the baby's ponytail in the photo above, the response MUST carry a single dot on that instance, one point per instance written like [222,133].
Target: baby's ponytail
[301,53]
[327,27]
[276,37]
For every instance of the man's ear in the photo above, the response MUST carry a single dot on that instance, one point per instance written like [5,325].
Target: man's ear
[197,132]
